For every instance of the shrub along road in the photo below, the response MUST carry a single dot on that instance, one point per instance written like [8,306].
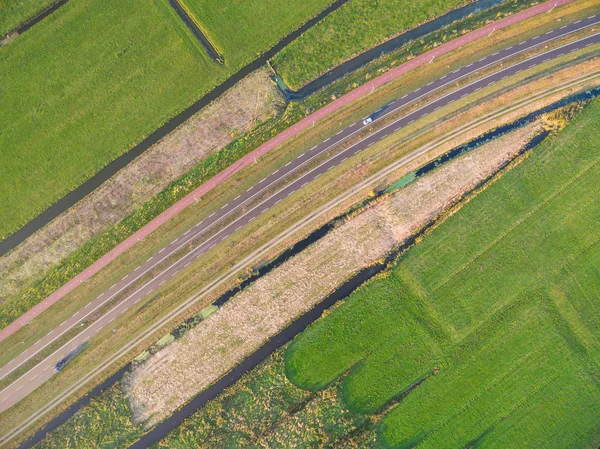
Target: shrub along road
[43,370]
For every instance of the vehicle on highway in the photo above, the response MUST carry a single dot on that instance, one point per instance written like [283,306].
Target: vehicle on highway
[60,365]
[377,113]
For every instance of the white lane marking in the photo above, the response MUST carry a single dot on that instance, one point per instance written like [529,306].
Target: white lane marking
[150,259]
[63,323]
[33,377]
[264,210]
[402,98]
[277,202]
[19,387]
[212,246]
[137,268]
[114,285]
[187,232]
[87,305]
[47,367]
[75,314]
[124,277]
[237,197]
[162,282]
[238,228]
[185,266]
[321,166]
[161,250]
[215,212]
[304,184]
[111,320]
[288,163]
[575,23]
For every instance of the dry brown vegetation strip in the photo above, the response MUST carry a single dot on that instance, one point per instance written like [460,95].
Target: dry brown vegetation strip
[251,101]
[175,374]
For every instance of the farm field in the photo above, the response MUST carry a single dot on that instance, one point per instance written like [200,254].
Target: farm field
[14,13]
[355,27]
[494,312]
[92,80]
[241,30]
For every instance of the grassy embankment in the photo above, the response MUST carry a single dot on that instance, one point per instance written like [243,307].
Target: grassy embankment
[157,306]
[14,13]
[494,311]
[357,26]
[102,77]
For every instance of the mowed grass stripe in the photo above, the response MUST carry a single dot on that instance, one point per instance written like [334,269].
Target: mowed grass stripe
[477,285]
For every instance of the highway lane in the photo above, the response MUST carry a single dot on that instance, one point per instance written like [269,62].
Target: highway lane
[42,371]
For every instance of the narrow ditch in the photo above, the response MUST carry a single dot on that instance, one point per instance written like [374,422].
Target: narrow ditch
[384,48]
[35,20]
[298,325]
[87,187]
[197,32]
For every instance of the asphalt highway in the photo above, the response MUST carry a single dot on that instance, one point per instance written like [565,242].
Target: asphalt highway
[211,231]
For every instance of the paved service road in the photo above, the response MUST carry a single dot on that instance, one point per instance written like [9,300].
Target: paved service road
[220,231]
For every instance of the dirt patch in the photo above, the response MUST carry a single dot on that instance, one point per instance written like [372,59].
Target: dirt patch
[175,374]
[251,101]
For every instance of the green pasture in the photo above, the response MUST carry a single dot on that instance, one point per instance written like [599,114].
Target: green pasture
[96,77]
[241,30]
[486,332]
[14,12]
[105,422]
[352,29]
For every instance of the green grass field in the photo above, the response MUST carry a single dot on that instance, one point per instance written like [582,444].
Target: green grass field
[242,30]
[495,312]
[14,12]
[95,78]
[355,27]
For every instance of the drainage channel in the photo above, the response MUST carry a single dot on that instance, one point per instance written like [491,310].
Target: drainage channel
[117,164]
[35,20]
[298,325]
[197,32]
[384,48]
[69,200]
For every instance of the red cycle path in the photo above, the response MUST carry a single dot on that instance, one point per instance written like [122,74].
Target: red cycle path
[251,157]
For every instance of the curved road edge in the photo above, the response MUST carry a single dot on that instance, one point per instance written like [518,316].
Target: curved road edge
[251,157]
[373,179]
